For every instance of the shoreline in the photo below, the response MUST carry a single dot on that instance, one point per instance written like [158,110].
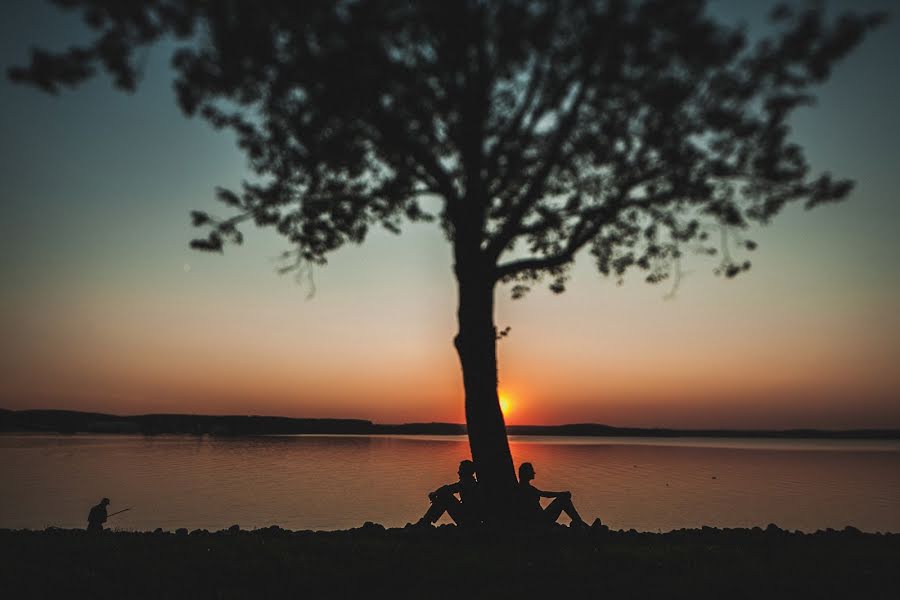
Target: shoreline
[595,531]
[449,562]
[72,422]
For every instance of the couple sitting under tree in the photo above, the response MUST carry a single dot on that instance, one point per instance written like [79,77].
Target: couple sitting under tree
[468,511]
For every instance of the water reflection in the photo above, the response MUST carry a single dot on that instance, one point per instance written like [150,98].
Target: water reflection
[332,482]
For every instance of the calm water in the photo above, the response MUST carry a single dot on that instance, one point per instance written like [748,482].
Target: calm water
[336,482]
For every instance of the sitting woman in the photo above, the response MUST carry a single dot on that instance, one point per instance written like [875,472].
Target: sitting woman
[530,501]
[465,511]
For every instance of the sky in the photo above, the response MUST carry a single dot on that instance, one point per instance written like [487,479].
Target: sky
[104,307]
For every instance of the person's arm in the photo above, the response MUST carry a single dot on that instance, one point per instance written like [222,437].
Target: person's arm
[546,494]
[450,488]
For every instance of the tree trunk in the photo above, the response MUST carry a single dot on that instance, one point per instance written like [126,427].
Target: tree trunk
[476,345]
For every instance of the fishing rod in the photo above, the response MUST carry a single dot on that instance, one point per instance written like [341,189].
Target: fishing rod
[53,526]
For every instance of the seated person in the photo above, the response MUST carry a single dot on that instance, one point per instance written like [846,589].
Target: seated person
[530,499]
[465,511]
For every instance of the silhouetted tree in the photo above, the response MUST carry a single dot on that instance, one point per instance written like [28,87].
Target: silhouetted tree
[629,129]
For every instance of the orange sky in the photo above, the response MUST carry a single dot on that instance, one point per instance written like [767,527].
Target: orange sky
[761,351]
[105,308]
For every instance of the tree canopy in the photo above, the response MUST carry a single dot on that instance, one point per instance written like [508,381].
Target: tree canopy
[626,128]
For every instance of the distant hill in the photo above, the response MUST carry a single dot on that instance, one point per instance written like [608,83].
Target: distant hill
[67,421]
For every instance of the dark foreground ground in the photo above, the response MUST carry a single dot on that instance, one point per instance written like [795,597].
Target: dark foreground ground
[371,562]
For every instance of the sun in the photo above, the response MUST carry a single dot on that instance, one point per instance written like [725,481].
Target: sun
[505,403]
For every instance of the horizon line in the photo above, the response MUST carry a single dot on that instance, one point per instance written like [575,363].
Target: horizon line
[891,431]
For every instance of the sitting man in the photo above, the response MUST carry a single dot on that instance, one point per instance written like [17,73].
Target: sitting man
[97,516]
[530,501]
[465,511]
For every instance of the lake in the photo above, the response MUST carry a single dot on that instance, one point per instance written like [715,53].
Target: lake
[338,482]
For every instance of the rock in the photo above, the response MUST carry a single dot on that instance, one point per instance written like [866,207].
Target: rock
[598,527]
[274,530]
[370,526]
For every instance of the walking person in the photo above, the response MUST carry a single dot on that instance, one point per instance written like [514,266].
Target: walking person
[97,517]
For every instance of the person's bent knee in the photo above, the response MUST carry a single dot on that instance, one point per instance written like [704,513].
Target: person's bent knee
[443,494]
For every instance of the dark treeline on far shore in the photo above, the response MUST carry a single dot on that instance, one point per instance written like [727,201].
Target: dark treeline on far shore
[65,421]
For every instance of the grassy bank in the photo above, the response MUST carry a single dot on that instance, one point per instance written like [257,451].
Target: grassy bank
[448,563]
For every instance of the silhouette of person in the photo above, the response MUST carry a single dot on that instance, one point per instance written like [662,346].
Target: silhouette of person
[97,516]
[530,499]
[465,511]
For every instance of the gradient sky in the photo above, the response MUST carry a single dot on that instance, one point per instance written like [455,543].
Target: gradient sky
[104,307]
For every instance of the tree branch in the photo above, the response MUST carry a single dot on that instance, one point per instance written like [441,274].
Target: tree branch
[588,226]
[534,190]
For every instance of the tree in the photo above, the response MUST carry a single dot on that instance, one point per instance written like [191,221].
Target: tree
[629,129]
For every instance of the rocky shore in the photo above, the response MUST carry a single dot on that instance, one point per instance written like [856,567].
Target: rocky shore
[446,562]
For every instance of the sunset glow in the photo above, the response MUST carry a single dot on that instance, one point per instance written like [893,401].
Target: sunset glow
[505,404]
[106,308]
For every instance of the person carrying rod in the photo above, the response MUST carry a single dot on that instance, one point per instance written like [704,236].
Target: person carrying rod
[98,516]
